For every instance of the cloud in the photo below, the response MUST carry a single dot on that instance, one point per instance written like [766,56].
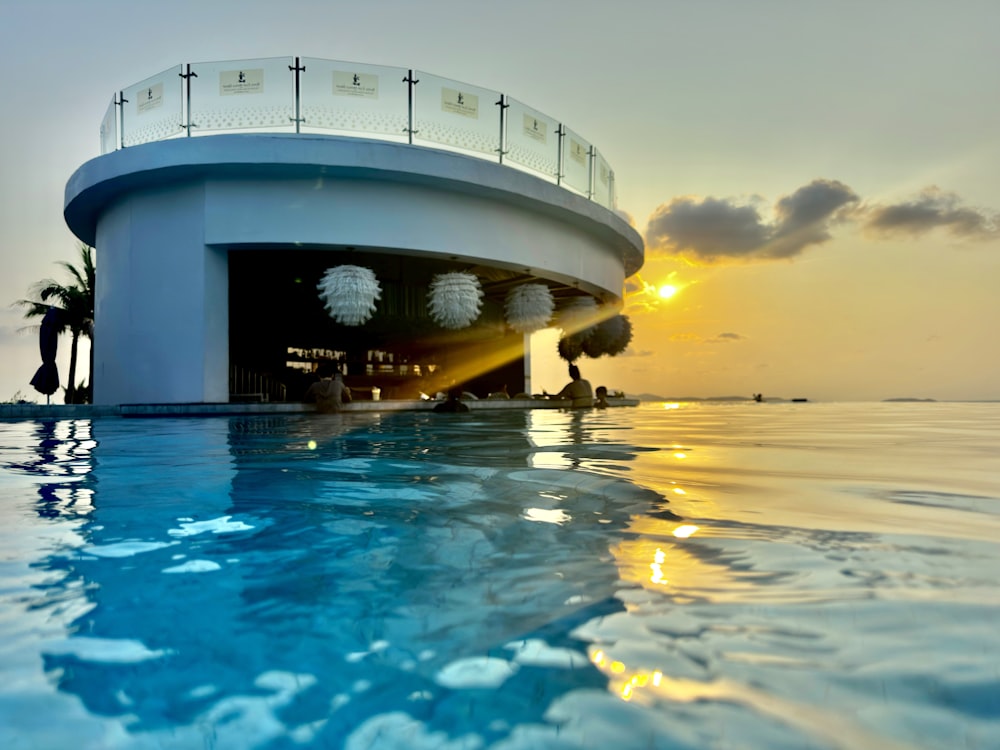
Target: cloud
[626,216]
[634,284]
[709,229]
[640,296]
[804,216]
[713,229]
[932,209]
[694,338]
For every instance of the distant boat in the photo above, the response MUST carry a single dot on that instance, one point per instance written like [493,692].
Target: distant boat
[799,400]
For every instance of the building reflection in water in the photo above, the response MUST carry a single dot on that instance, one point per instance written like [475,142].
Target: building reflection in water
[302,575]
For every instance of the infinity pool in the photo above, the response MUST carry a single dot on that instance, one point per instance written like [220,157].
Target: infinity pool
[668,576]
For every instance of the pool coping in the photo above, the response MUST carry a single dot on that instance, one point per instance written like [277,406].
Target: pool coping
[92,411]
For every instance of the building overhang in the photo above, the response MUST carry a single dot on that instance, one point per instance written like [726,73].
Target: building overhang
[331,191]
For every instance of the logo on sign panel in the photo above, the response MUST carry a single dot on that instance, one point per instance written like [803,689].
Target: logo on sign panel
[246,81]
[364,85]
[149,98]
[535,129]
[459,103]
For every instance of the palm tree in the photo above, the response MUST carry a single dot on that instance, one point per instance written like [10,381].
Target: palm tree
[76,300]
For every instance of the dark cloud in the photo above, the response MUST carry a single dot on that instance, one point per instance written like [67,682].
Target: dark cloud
[712,229]
[803,216]
[930,210]
[725,338]
[709,228]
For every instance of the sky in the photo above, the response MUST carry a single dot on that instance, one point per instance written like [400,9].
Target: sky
[817,183]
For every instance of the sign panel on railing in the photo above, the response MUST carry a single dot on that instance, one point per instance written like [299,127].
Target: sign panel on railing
[576,162]
[153,109]
[456,114]
[243,94]
[351,97]
[603,184]
[532,139]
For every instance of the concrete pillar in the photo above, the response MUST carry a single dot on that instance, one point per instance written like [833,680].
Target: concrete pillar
[162,303]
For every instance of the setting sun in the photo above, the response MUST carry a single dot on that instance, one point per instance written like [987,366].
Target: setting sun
[667,291]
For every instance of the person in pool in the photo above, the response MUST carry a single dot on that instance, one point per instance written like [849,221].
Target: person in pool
[329,392]
[578,390]
[453,404]
[602,397]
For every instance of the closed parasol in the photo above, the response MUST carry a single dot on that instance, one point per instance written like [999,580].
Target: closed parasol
[46,379]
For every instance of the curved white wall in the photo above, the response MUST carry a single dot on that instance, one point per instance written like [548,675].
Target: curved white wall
[163,217]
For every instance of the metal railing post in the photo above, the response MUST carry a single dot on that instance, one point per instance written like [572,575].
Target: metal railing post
[298,96]
[502,149]
[187,97]
[591,154]
[411,82]
[120,121]
[561,132]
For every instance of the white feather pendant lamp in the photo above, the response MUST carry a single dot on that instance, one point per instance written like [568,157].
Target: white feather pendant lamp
[578,315]
[529,307]
[455,299]
[349,294]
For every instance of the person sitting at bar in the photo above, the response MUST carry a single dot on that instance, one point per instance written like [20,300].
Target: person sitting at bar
[453,404]
[578,390]
[329,392]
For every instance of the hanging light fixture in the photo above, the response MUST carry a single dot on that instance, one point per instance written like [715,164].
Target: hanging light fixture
[570,348]
[455,299]
[611,337]
[529,307]
[349,294]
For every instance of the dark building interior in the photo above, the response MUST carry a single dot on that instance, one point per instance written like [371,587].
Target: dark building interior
[280,332]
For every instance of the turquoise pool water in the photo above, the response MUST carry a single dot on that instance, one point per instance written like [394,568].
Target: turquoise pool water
[668,576]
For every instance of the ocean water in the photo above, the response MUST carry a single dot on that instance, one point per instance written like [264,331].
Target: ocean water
[668,576]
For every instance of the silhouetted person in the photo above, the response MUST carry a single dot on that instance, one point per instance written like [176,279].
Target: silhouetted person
[329,392]
[453,404]
[602,398]
[577,390]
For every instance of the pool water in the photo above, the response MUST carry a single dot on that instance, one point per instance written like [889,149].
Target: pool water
[669,576]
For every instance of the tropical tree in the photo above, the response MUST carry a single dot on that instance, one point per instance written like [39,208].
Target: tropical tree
[76,300]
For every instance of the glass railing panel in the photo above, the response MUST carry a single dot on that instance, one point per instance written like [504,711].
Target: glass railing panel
[576,162]
[456,114]
[243,94]
[603,185]
[152,110]
[353,98]
[109,129]
[532,139]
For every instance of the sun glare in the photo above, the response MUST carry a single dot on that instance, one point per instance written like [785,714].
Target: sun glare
[667,291]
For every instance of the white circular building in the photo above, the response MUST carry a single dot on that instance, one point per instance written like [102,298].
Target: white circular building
[210,249]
